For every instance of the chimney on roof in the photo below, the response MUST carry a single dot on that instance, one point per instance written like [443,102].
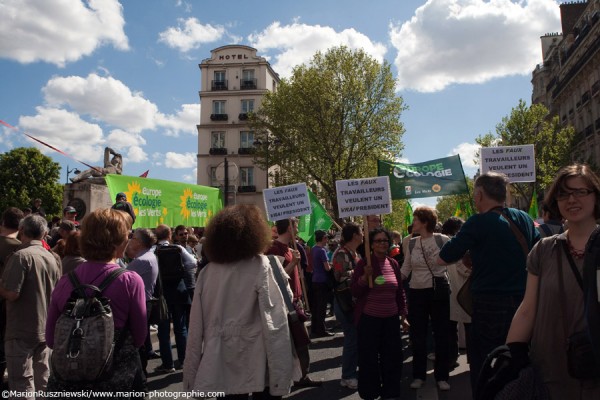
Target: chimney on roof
[569,14]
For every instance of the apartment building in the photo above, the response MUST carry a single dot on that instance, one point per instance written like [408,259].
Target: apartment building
[233,82]
[568,80]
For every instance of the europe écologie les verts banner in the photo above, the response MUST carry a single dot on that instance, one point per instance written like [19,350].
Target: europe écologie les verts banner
[157,201]
[439,177]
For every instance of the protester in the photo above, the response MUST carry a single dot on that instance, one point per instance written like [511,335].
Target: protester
[286,229]
[429,298]
[178,295]
[239,340]
[458,274]
[321,288]
[36,208]
[9,228]
[141,249]
[27,283]
[344,263]
[378,313]
[103,239]
[122,204]
[498,251]
[553,307]
[72,253]
[552,223]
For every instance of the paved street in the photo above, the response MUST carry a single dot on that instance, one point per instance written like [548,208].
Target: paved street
[326,362]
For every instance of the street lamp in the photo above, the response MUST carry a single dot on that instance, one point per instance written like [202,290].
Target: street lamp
[74,170]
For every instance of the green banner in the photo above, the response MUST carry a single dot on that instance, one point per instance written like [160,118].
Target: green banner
[440,177]
[317,220]
[158,202]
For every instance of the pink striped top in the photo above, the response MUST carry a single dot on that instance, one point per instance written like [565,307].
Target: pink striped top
[381,300]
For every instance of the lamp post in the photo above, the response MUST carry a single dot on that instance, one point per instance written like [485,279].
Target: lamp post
[74,170]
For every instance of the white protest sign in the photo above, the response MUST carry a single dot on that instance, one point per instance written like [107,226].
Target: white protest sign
[364,196]
[286,201]
[517,162]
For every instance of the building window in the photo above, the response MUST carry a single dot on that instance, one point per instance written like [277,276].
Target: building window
[248,81]
[213,177]
[217,140]
[219,82]
[219,107]
[247,176]
[247,139]
[247,106]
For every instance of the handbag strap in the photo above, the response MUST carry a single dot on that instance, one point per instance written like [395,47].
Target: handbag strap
[563,300]
[281,283]
[427,263]
[572,264]
[515,229]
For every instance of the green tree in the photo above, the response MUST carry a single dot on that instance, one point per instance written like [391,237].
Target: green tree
[331,120]
[446,205]
[27,174]
[553,143]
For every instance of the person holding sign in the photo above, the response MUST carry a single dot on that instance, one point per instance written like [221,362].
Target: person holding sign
[378,313]
[286,230]
[429,298]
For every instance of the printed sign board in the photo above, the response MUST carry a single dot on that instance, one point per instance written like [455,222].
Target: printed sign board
[286,201]
[517,162]
[364,196]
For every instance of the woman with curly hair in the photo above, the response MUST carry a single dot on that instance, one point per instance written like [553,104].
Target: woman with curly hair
[239,341]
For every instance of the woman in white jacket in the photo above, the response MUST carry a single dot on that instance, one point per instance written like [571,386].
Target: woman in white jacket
[239,341]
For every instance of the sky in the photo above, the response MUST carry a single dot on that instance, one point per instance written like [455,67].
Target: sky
[82,75]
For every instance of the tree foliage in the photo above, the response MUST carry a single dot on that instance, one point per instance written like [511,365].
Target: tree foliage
[331,120]
[553,143]
[27,174]
[446,205]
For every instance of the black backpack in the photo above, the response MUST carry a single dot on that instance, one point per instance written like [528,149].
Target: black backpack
[84,335]
[170,263]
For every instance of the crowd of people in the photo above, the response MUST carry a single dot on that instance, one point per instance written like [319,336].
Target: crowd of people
[237,297]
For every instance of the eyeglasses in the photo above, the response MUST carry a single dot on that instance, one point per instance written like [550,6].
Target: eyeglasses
[577,193]
[182,234]
[381,241]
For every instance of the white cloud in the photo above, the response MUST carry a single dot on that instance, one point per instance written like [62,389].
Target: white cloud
[297,43]
[136,154]
[184,121]
[403,160]
[470,41]
[119,139]
[191,177]
[190,34]
[59,31]
[178,160]
[103,98]
[467,152]
[66,131]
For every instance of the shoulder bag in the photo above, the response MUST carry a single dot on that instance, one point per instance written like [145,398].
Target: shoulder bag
[342,293]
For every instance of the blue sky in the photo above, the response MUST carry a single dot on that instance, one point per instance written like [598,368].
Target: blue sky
[81,75]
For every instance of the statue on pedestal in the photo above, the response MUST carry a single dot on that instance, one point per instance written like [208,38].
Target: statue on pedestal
[112,165]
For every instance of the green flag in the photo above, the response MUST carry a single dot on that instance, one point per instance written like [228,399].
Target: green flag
[318,219]
[533,207]
[158,202]
[439,177]
[408,218]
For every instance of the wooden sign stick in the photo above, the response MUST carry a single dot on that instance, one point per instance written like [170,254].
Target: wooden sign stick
[299,270]
[367,247]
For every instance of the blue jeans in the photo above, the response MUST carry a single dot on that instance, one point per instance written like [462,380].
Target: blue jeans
[179,314]
[492,316]
[350,348]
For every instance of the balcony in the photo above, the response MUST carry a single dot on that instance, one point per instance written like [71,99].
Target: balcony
[585,98]
[243,116]
[598,124]
[247,84]
[218,151]
[219,85]
[589,130]
[571,112]
[596,88]
[246,150]
[219,117]
[247,189]
[578,106]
